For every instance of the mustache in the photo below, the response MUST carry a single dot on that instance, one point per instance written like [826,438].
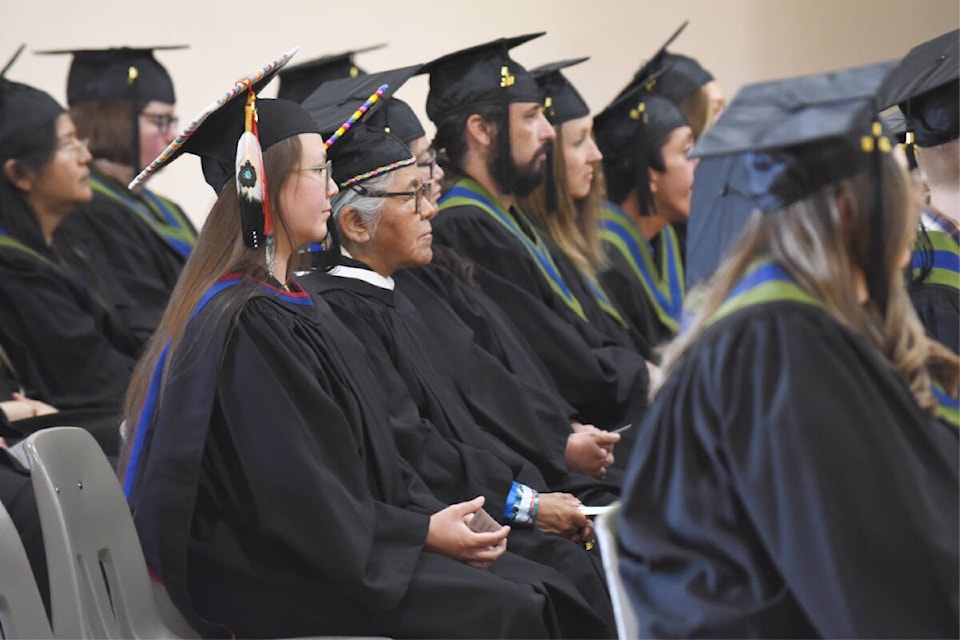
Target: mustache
[545,149]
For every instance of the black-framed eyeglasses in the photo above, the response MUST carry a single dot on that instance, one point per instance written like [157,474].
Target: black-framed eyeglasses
[429,164]
[326,169]
[162,121]
[421,194]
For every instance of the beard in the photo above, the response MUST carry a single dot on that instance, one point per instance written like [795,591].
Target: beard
[519,180]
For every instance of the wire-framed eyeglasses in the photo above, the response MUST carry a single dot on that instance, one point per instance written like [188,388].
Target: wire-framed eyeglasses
[326,169]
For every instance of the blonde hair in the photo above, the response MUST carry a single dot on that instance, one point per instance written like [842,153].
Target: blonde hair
[821,249]
[697,108]
[573,227]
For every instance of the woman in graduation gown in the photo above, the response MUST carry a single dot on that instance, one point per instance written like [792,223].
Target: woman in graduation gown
[567,208]
[788,480]
[56,325]
[123,101]
[649,184]
[266,488]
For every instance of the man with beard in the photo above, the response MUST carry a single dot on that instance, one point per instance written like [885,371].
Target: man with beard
[493,139]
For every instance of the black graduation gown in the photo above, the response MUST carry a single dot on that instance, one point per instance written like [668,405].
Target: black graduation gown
[386,323]
[616,329]
[935,290]
[628,256]
[142,258]
[786,484]
[271,500]
[604,381]
[459,386]
[436,290]
[66,346]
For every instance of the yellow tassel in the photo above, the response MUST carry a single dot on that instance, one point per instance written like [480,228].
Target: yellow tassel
[506,78]
[132,74]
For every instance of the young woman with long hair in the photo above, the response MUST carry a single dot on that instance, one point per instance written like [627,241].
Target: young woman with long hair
[791,445]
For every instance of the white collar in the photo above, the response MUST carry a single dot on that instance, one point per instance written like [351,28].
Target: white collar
[371,277]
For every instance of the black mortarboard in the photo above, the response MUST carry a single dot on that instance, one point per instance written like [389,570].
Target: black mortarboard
[782,141]
[300,80]
[926,87]
[333,102]
[365,153]
[483,74]
[121,73]
[397,118]
[797,135]
[23,110]
[561,100]
[629,133]
[679,75]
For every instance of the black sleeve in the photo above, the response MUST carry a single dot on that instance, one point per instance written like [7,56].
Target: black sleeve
[605,382]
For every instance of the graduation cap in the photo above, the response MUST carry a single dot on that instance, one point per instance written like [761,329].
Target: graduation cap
[679,75]
[120,73]
[300,80]
[782,142]
[926,87]
[367,152]
[630,131]
[478,75]
[23,110]
[561,100]
[333,102]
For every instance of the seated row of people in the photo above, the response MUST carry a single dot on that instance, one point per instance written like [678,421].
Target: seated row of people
[408,388]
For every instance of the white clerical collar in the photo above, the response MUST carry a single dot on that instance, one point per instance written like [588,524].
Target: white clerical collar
[371,277]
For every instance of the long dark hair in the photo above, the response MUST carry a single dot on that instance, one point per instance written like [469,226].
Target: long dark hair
[219,251]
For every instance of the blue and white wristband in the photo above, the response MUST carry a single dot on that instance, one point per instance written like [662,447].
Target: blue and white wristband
[522,504]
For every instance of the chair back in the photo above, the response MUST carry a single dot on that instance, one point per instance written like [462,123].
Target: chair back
[102,588]
[21,610]
[605,525]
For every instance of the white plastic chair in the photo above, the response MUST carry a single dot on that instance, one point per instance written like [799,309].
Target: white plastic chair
[21,609]
[605,525]
[101,587]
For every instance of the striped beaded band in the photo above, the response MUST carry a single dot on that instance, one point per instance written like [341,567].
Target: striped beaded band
[378,171]
[372,100]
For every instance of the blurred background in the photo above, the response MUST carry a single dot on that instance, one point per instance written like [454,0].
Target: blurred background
[739,41]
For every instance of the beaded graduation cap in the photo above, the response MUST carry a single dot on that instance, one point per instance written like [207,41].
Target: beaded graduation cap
[332,101]
[229,136]
[23,110]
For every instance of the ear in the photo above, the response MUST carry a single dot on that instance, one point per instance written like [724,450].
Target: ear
[654,180]
[480,130]
[11,169]
[353,229]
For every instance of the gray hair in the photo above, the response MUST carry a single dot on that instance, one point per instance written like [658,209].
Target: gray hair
[367,207]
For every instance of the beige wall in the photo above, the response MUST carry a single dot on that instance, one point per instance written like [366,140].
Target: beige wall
[740,41]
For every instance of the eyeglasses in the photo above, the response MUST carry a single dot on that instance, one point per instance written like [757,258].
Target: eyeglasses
[162,121]
[327,169]
[75,146]
[420,195]
[430,164]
